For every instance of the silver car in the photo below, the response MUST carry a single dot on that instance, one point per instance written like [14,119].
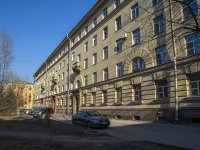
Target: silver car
[90,119]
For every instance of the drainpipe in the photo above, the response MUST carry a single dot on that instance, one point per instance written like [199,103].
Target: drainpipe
[175,66]
[69,69]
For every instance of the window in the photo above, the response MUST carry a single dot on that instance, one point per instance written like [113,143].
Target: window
[73,42]
[95,40]
[86,63]
[94,59]
[155,2]
[79,36]
[192,9]
[78,84]
[120,70]
[193,44]
[63,88]
[119,95]
[136,37]
[105,97]
[117,3]
[119,45]
[86,47]
[63,74]
[93,98]
[118,24]
[105,52]
[73,56]
[84,99]
[105,74]
[86,80]
[59,67]
[105,32]
[135,11]
[138,64]
[162,89]
[104,14]
[79,58]
[94,22]
[95,77]
[86,30]
[63,63]
[161,55]
[159,25]
[138,95]
[195,85]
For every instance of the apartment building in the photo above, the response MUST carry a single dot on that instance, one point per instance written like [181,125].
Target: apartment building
[23,89]
[128,59]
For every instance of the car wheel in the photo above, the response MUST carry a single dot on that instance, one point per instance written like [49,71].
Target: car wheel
[73,122]
[89,124]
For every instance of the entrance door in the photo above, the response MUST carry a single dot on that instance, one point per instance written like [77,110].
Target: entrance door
[76,102]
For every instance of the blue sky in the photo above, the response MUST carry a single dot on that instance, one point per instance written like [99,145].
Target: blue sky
[37,27]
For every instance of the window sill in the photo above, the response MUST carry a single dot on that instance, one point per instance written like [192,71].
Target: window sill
[191,99]
[157,34]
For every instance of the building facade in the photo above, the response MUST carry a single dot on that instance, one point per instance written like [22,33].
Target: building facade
[23,89]
[129,59]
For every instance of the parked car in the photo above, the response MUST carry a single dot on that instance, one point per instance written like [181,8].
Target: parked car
[26,111]
[32,111]
[43,112]
[90,119]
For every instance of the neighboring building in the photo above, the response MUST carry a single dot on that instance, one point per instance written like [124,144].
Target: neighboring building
[121,63]
[23,89]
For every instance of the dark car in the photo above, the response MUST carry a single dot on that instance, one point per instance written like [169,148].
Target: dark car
[90,119]
[43,112]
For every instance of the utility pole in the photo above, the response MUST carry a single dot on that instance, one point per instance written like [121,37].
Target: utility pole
[175,66]
[69,67]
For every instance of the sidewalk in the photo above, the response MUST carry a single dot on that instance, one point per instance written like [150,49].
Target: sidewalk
[184,136]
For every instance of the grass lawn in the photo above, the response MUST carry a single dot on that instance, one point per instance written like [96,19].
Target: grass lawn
[26,133]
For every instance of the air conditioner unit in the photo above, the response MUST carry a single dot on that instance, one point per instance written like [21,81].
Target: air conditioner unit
[124,35]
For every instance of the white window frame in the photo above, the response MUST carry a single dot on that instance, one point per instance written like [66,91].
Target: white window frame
[86,63]
[86,47]
[95,40]
[162,89]
[105,74]
[104,13]
[119,69]
[118,23]
[159,25]
[161,55]
[136,37]
[119,45]
[105,53]
[94,59]
[192,44]
[135,11]
[94,75]
[105,33]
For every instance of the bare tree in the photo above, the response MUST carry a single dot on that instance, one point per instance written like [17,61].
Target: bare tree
[6,56]
[7,95]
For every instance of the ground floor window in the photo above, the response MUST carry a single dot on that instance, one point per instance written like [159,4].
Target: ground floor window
[195,85]
[84,99]
[94,98]
[119,95]
[137,91]
[105,97]
[162,89]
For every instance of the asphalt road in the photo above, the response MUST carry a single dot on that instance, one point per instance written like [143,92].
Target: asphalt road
[185,136]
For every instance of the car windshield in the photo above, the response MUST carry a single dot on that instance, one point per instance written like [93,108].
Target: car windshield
[94,113]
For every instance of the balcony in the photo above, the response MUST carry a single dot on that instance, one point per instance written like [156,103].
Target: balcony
[54,79]
[76,67]
[42,86]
